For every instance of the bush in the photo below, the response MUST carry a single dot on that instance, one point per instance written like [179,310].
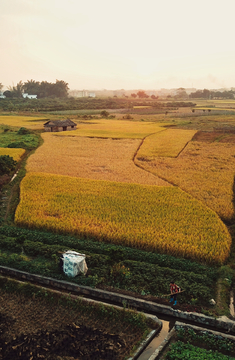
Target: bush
[23,131]
[104,114]
[17,145]
[7,164]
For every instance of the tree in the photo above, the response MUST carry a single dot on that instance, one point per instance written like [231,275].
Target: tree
[104,114]
[206,94]
[142,94]
[32,87]
[16,91]
[7,93]
[133,95]
[181,94]
[60,89]
[7,164]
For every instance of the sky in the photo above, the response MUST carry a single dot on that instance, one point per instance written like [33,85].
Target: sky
[124,44]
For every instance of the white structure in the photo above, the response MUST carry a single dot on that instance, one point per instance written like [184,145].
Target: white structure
[26,95]
[74,263]
[85,93]
[2,96]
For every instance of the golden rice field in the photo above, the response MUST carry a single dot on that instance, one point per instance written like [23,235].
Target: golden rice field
[167,143]
[113,129]
[142,107]
[215,108]
[205,170]
[163,219]
[92,158]
[30,122]
[16,154]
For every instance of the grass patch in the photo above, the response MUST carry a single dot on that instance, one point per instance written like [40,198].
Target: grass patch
[12,137]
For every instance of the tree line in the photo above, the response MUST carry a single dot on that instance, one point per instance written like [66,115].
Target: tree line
[43,89]
[70,103]
[212,94]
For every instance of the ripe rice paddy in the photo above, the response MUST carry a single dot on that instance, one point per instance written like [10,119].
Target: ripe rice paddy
[16,154]
[168,143]
[114,129]
[92,158]
[163,219]
[30,122]
[205,169]
[84,182]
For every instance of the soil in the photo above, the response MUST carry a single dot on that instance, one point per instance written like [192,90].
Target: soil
[30,329]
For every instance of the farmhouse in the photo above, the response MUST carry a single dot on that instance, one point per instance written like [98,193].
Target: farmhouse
[60,125]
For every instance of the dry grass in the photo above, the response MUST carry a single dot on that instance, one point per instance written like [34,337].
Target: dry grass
[100,159]
[16,154]
[168,143]
[204,170]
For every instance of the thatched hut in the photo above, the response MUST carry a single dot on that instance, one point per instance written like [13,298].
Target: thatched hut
[60,125]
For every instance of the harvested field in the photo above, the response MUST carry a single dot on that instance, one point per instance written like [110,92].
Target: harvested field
[205,169]
[91,158]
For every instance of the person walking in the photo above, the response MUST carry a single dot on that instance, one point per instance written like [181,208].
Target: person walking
[174,289]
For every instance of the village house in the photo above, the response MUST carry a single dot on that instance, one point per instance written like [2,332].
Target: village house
[60,125]
[27,96]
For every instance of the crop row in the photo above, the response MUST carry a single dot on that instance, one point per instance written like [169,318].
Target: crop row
[136,276]
[115,251]
[179,351]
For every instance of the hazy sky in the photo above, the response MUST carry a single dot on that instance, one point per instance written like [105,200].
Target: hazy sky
[107,44]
